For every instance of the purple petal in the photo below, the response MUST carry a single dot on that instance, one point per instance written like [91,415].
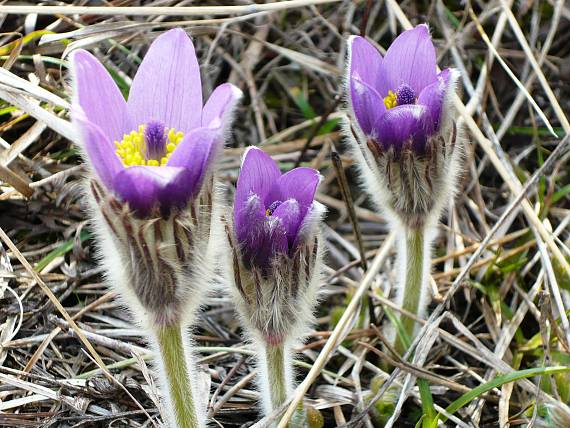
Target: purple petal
[147,187]
[98,96]
[220,106]
[196,153]
[310,224]
[265,243]
[445,74]
[260,238]
[167,86]
[432,96]
[410,59]
[403,124]
[365,62]
[290,214]
[247,216]
[299,184]
[99,149]
[367,104]
[258,175]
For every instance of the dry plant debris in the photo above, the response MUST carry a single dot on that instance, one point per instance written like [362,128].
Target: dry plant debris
[500,277]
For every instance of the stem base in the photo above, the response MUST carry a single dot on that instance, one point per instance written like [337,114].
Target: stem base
[179,394]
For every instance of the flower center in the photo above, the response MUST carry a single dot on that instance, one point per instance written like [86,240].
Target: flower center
[269,211]
[403,95]
[390,100]
[151,145]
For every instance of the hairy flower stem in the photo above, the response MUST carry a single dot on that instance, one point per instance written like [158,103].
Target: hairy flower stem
[171,349]
[413,282]
[279,381]
[276,371]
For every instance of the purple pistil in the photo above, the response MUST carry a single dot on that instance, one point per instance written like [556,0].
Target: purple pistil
[405,95]
[272,208]
[155,140]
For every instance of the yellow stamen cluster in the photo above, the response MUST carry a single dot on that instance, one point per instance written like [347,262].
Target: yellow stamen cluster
[132,148]
[390,100]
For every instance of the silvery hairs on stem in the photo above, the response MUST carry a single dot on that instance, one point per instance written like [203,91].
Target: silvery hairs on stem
[153,197]
[275,254]
[405,139]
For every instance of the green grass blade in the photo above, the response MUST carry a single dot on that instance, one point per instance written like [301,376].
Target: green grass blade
[495,383]
[60,251]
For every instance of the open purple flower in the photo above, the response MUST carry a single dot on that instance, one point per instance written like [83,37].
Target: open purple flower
[408,145]
[270,209]
[397,100]
[154,150]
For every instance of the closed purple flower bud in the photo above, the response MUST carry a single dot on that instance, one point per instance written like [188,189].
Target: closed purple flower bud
[275,243]
[404,121]
[152,188]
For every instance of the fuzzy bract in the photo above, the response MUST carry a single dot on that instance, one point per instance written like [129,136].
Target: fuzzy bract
[155,150]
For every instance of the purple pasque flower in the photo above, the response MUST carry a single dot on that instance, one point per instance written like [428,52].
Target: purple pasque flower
[397,100]
[409,148]
[270,208]
[275,247]
[154,150]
